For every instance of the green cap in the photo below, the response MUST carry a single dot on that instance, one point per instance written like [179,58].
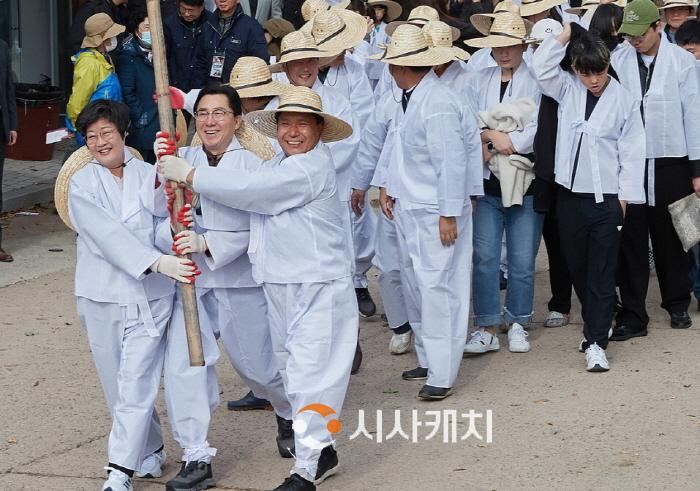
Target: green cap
[638,16]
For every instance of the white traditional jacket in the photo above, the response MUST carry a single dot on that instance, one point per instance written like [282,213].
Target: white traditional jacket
[612,155]
[350,79]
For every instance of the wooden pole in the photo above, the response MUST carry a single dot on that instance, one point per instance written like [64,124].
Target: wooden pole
[167,123]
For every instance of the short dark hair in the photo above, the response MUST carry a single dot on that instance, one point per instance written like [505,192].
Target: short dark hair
[589,54]
[419,69]
[234,100]
[115,112]
[135,14]
[193,3]
[688,33]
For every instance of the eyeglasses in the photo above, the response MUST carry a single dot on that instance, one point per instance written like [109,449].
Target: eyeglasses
[106,135]
[631,39]
[216,114]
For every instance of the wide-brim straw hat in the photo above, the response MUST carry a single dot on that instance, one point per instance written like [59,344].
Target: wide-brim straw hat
[299,100]
[393,9]
[78,159]
[507,29]
[180,128]
[409,47]
[670,4]
[278,28]
[419,17]
[251,77]
[587,5]
[532,7]
[298,45]
[439,35]
[99,28]
[336,30]
[312,7]
[482,22]
[250,139]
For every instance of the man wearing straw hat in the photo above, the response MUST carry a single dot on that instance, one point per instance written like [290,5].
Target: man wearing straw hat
[675,13]
[427,182]
[311,307]
[125,310]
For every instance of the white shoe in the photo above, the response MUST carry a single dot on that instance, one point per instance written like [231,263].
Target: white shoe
[117,481]
[152,465]
[580,345]
[596,361]
[482,342]
[517,339]
[556,319]
[400,343]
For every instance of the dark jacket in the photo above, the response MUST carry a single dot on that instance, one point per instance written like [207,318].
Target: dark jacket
[87,10]
[182,44]
[245,37]
[291,10]
[138,86]
[8,105]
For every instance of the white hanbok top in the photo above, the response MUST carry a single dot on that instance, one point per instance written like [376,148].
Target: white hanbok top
[351,80]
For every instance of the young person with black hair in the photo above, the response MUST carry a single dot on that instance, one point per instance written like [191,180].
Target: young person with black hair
[599,167]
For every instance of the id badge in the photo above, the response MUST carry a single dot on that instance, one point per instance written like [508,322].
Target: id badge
[217,65]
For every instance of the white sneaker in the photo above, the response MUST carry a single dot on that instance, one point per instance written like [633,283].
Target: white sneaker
[400,343]
[152,465]
[580,345]
[596,361]
[517,339]
[482,342]
[117,481]
[556,319]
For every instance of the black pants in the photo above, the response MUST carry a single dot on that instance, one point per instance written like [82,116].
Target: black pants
[672,179]
[590,241]
[559,280]
[2,168]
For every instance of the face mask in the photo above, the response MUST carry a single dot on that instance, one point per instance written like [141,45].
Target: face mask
[146,38]
[111,45]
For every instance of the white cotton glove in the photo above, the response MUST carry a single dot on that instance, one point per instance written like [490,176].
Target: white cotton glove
[187,242]
[164,145]
[174,168]
[180,269]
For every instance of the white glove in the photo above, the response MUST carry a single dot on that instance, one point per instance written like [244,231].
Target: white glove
[186,216]
[163,145]
[174,168]
[180,269]
[187,242]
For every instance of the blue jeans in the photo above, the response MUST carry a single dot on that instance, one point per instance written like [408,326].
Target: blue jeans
[523,228]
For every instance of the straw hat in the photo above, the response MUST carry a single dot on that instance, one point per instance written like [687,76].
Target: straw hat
[482,22]
[299,100]
[532,7]
[336,30]
[409,47]
[312,7]
[507,29]
[78,159]
[439,35]
[419,17]
[587,5]
[393,9]
[99,28]
[298,45]
[250,139]
[251,77]
[669,4]
[180,128]
[278,28]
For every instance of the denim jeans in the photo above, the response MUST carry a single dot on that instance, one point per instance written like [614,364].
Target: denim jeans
[523,228]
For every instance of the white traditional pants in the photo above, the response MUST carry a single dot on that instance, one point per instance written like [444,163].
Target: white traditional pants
[314,334]
[364,230]
[436,282]
[129,362]
[387,260]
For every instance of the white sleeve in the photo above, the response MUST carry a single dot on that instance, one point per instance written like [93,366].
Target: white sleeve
[371,144]
[225,247]
[690,103]
[632,155]
[545,67]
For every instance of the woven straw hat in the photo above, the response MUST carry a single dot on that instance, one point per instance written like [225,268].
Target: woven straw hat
[336,30]
[409,47]
[251,77]
[439,35]
[298,45]
[669,4]
[587,5]
[180,128]
[482,22]
[393,9]
[98,28]
[278,28]
[299,100]
[532,7]
[78,159]
[312,7]
[419,17]
[250,139]
[507,29]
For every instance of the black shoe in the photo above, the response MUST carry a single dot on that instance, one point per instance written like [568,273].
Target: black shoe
[680,320]
[327,464]
[249,402]
[418,373]
[623,333]
[357,360]
[295,483]
[285,437]
[193,476]
[699,305]
[502,280]
[365,304]
[430,393]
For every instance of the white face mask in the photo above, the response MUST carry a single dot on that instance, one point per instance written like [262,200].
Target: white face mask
[111,45]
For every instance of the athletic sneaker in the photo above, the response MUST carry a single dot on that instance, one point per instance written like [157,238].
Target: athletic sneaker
[517,339]
[152,466]
[596,361]
[482,342]
[400,343]
[193,476]
[117,481]
[327,464]
[556,319]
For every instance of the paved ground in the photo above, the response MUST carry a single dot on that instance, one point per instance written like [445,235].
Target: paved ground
[554,425]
